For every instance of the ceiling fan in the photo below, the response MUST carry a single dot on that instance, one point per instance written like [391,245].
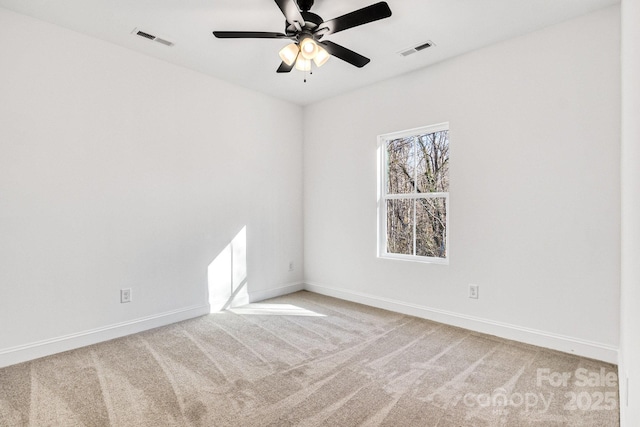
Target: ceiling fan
[306,31]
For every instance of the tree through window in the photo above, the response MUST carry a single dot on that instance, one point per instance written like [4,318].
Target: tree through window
[415,194]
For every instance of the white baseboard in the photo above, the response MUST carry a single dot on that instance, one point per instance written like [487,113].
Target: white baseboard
[276,292]
[247,296]
[23,353]
[594,350]
[26,352]
[566,344]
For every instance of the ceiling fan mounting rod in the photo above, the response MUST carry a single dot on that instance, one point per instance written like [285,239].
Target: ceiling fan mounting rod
[305,5]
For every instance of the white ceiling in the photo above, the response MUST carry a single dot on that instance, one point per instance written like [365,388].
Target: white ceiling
[455,26]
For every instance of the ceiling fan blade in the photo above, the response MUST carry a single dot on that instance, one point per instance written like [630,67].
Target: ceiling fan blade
[290,11]
[284,68]
[362,16]
[345,54]
[249,35]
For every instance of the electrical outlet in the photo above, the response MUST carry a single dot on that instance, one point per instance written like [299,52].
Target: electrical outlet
[473,291]
[125,295]
[290,265]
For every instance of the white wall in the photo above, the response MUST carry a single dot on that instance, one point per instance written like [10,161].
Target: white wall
[630,325]
[121,171]
[118,170]
[535,189]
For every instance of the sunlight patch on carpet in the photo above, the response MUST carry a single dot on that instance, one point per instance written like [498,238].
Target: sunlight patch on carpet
[275,310]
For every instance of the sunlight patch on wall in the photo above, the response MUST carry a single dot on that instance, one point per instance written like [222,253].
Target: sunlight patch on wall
[227,275]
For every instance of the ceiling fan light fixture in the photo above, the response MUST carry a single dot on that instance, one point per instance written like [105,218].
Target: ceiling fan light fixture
[303,64]
[289,53]
[304,28]
[321,57]
[308,48]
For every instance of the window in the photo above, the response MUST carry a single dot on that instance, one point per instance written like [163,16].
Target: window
[413,206]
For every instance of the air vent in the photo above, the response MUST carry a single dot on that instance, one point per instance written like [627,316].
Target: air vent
[143,34]
[418,48]
[149,36]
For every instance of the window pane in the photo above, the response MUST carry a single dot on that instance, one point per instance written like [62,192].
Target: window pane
[431,222]
[400,226]
[432,151]
[400,166]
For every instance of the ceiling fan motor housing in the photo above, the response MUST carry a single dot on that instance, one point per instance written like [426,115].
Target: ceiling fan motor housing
[311,22]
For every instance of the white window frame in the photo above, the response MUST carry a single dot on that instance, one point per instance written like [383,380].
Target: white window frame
[383,197]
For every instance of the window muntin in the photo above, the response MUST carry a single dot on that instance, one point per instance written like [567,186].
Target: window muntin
[414,205]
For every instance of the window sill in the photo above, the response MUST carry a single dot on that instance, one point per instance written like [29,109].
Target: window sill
[412,258]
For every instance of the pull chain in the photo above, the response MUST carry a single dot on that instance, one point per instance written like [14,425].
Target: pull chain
[310,72]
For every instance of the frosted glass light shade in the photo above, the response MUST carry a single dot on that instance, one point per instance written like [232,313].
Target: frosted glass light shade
[303,64]
[321,57]
[289,53]
[308,48]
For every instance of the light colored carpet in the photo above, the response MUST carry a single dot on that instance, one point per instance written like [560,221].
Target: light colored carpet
[308,360]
